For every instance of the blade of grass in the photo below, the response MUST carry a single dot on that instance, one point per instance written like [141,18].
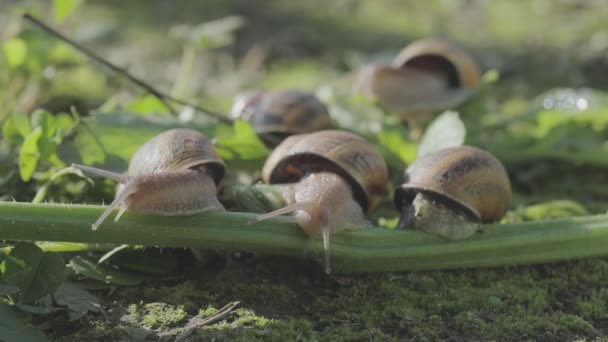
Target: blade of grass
[371,250]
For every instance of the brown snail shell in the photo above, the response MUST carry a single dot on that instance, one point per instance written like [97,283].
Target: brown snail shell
[428,76]
[442,57]
[466,177]
[177,149]
[276,114]
[329,178]
[173,173]
[340,152]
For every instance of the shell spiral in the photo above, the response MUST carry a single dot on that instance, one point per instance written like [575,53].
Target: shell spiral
[177,149]
[340,152]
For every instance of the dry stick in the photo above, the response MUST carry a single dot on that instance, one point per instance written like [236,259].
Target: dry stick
[163,97]
[195,324]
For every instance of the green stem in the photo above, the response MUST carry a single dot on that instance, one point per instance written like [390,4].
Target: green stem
[371,250]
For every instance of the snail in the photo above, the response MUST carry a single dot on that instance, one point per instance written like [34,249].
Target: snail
[427,76]
[173,173]
[451,191]
[329,180]
[276,114]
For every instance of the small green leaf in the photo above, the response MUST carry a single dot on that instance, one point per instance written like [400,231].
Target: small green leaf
[22,124]
[47,144]
[42,191]
[241,144]
[29,155]
[147,104]
[395,143]
[92,270]
[447,130]
[63,8]
[10,132]
[78,301]
[64,53]
[490,76]
[13,328]
[63,123]
[35,272]
[44,120]
[15,52]
[21,265]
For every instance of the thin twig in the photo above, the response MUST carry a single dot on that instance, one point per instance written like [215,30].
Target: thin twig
[163,97]
[196,322]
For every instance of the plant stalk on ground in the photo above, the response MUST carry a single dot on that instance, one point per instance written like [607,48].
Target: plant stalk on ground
[370,250]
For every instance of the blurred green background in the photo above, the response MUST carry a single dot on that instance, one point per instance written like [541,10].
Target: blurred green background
[534,44]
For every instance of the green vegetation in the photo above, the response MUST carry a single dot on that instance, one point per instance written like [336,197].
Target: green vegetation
[542,110]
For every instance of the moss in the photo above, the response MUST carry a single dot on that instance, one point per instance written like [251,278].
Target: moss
[286,299]
[246,325]
[594,306]
[154,315]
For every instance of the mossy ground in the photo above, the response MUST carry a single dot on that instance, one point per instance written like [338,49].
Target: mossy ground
[287,299]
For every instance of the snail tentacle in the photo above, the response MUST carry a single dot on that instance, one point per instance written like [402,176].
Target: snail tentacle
[122,179]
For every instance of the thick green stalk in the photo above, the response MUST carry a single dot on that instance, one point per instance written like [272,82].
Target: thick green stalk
[370,250]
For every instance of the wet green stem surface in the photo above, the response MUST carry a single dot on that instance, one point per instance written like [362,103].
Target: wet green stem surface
[370,250]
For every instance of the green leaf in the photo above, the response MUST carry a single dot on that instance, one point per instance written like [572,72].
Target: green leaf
[394,142]
[491,76]
[63,8]
[151,261]
[102,273]
[22,124]
[44,120]
[111,253]
[63,123]
[35,272]
[78,301]
[47,144]
[15,52]
[29,155]
[43,190]
[147,104]
[447,130]
[242,144]
[10,132]
[37,309]
[49,246]
[21,265]
[7,289]
[547,210]
[12,327]
[566,124]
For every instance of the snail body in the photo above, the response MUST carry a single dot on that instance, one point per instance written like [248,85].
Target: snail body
[451,188]
[276,114]
[173,173]
[329,179]
[428,75]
